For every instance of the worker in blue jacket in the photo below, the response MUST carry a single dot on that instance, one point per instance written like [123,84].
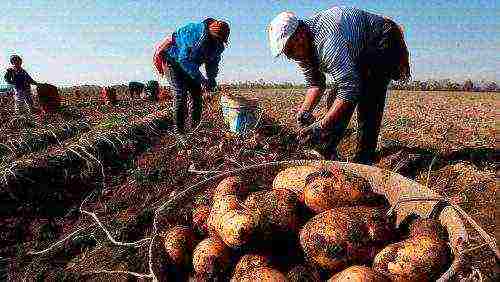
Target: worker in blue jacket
[180,56]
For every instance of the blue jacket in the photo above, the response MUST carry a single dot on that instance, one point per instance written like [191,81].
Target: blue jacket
[193,48]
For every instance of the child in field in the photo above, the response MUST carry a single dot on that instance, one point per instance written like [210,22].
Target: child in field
[21,80]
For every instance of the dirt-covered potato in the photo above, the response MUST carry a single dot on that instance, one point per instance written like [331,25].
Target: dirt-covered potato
[344,236]
[326,189]
[237,227]
[220,206]
[421,257]
[178,243]
[293,179]
[233,185]
[276,209]
[428,227]
[211,256]
[227,198]
[357,273]
[248,263]
[230,222]
[263,273]
[302,273]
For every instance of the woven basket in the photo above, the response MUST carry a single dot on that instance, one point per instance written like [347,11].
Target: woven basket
[402,194]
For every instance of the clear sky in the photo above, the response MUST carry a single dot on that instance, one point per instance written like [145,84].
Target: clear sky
[69,42]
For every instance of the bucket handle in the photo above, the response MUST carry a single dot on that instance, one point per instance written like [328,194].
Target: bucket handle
[252,131]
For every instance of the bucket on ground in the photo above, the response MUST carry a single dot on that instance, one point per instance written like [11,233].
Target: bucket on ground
[108,95]
[239,114]
[48,98]
[135,88]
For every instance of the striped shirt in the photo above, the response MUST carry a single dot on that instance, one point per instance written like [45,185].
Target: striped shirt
[339,36]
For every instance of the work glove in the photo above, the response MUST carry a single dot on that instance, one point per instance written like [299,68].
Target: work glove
[211,85]
[305,118]
[311,134]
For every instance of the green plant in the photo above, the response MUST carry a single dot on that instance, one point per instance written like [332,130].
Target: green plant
[112,121]
[404,122]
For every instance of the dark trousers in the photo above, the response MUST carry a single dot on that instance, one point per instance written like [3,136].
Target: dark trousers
[370,110]
[378,64]
[182,83]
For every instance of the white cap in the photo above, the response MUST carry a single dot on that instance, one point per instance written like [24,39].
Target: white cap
[280,29]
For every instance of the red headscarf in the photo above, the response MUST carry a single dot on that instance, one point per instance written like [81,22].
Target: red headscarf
[221,29]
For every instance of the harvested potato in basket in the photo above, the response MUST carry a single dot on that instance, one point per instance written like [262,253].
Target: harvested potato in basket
[211,257]
[232,185]
[263,273]
[179,243]
[228,219]
[248,263]
[358,273]
[275,209]
[344,236]
[421,257]
[327,189]
[324,188]
[294,179]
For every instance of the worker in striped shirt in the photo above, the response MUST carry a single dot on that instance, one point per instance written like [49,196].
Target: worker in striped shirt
[361,51]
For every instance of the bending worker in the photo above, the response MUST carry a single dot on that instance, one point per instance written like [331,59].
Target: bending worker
[361,51]
[180,56]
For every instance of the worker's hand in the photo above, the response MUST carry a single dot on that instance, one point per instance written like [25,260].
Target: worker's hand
[207,96]
[311,134]
[204,86]
[304,118]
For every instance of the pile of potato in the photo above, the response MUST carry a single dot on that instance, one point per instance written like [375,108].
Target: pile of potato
[313,224]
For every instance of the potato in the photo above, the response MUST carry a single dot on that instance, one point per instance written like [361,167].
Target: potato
[342,236]
[221,205]
[328,189]
[200,218]
[263,273]
[233,185]
[423,256]
[178,243]
[226,198]
[358,273]
[248,263]
[230,222]
[294,179]
[428,227]
[274,209]
[211,256]
[302,273]
[237,227]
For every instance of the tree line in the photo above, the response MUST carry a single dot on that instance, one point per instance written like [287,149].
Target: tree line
[414,85]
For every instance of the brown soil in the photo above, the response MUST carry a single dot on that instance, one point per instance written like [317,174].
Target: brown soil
[456,130]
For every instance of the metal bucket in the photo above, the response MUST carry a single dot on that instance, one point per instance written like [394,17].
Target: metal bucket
[401,193]
[240,115]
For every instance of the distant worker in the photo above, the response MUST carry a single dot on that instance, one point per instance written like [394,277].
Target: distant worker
[21,80]
[180,56]
[362,52]
[135,89]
